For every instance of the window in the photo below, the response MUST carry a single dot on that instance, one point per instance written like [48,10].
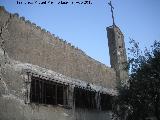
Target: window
[105,102]
[47,92]
[87,99]
[84,98]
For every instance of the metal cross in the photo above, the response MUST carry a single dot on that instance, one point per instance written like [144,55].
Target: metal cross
[110,4]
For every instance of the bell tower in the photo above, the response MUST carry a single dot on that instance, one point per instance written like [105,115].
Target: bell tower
[117,51]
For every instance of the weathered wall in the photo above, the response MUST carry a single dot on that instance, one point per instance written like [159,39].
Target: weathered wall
[14,110]
[83,114]
[28,43]
[118,57]
[12,99]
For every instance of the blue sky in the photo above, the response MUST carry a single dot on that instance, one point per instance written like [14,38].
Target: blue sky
[84,26]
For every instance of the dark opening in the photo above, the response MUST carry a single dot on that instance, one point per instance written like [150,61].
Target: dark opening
[84,98]
[105,102]
[87,99]
[47,92]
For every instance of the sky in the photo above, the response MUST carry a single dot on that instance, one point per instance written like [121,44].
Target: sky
[84,25]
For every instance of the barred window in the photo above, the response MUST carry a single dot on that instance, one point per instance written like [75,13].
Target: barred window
[105,102]
[43,91]
[47,92]
[85,98]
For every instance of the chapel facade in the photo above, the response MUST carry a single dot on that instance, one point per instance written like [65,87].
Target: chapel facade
[42,77]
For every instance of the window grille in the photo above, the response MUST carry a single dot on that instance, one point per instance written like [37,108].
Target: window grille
[47,92]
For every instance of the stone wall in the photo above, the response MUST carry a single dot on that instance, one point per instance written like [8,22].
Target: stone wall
[15,110]
[118,55]
[28,43]
[14,107]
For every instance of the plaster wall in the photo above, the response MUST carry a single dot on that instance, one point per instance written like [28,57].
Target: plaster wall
[15,110]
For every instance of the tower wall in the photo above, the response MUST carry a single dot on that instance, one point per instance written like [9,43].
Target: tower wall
[117,51]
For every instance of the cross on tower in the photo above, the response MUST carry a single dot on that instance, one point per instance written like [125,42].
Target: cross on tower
[110,4]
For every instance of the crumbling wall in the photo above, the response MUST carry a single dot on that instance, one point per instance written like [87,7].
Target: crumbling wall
[28,43]
[14,107]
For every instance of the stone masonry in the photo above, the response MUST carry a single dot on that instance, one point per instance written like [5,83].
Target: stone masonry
[117,53]
[31,58]
[31,44]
